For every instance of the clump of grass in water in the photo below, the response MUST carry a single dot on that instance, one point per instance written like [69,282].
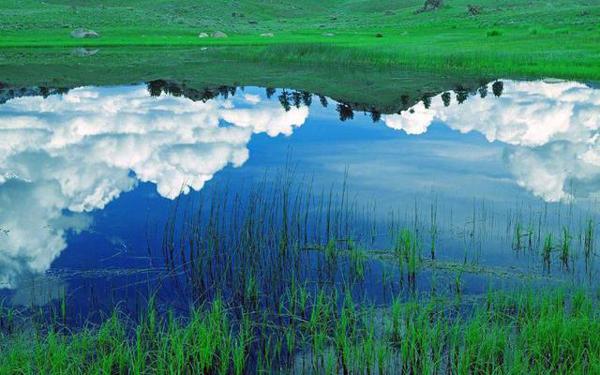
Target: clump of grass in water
[547,250]
[518,236]
[331,251]
[406,249]
[588,240]
[261,240]
[358,260]
[434,228]
[565,248]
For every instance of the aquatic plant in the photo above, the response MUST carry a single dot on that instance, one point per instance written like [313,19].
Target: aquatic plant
[588,241]
[565,247]
[547,250]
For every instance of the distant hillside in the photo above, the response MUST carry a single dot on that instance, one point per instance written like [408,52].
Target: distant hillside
[246,16]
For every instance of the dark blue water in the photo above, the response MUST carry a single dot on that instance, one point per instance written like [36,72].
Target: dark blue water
[89,177]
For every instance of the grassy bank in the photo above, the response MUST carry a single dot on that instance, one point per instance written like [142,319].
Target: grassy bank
[509,37]
[521,333]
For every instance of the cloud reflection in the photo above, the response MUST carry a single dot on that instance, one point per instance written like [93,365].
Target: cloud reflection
[552,130]
[77,152]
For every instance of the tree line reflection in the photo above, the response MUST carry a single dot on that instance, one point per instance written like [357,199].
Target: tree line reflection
[290,98]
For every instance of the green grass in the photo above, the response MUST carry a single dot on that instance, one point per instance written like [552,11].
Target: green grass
[521,332]
[510,37]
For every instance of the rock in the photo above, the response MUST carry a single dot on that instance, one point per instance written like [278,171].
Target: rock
[430,5]
[219,34]
[203,35]
[83,52]
[328,34]
[267,35]
[474,10]
[82,33]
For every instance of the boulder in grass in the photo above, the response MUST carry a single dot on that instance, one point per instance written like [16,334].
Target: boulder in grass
[267,35]
[203,35]
[219,34]
[474,10]
[84,52]
[82,33]
[328,34]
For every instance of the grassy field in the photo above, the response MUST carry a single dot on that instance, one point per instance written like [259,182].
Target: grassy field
[509,37]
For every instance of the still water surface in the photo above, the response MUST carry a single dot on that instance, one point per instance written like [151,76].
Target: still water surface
[89,176]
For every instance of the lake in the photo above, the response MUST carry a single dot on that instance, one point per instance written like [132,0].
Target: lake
[110,195]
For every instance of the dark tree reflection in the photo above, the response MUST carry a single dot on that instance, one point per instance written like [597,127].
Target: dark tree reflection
[497,88]
[297,98]
[446,98]
[426,101]
[345,111]
[323,101]
[284,100]
[375,115]
[461,94]
[483,91]
[306,98]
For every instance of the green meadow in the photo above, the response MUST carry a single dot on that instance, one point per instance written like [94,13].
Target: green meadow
[508,37]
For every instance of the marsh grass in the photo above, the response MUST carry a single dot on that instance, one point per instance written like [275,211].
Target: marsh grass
[523,331]
[276,274]
[547,251]
[565,247]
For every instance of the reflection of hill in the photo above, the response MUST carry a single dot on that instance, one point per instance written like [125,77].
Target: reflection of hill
[8,93]
[361,87]
[289,98]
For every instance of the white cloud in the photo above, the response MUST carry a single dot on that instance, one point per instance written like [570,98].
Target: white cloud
[553,127]
[413,122]
[81,150]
